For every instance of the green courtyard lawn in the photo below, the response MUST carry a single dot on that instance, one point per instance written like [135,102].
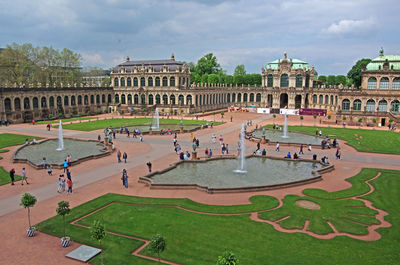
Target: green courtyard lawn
[65,120]
[199,238]
[5,177]
[9,139]
[118,122]
[373,141]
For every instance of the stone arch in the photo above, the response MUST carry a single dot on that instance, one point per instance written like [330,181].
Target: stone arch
[123,99]
[73,101]
[299,80]
[157,81]
[346,105]
[372,83]
[109,98]
[86,100]
[122,82]
[189,100]
[284,100]
[239,97]
[136,99]
[129,99]
[165,99]
[251,97]
[382,106]
[172,99]
[103,98]
[116,98]
[27,104]
[43,102]
[297,102]
[357,105]
[384,83]
[164,81]
[245,97]
[396,83]
[142,99]
[66,101]
[116,82]
[370,107]
[135,82]
[128,82]
[158,99]
[142,81]
[7,105]
[91,99]
[172,81]
[314,99]
[395,106]
[51,102]
[35,103]
[150,99]
[321,99]
[228,98]
[181,100]
[17,104]
[98,99]
[284,80]
[150,81]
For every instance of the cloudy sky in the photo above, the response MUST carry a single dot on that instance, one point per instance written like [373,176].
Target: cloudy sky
[329,34]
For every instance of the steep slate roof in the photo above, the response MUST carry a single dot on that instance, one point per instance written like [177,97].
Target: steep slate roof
[156,64]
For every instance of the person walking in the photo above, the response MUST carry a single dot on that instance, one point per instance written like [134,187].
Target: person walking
[68,174]
[69,160]
[125,178]
[50,170]
[191,137]
[338,153]
[69,184]
[309,147]
[301,149]
[12,174]
[119,156]
[141,137]
[59,182]
[258,146]
[277,147]
[149,166]
[23,177]
[210,153]
[125,156]
[65,165]
[62,183]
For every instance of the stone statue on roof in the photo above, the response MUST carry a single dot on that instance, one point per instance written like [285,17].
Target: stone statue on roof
[381,52]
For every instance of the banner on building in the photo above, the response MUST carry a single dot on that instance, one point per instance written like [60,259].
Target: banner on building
[263,110]
[289,111]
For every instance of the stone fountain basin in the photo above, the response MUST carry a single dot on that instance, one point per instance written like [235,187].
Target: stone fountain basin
[80,150]
[216,175]
[274,136]
[144,128]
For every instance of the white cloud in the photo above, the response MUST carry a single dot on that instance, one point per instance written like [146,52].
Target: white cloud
[92,59]
[346,26]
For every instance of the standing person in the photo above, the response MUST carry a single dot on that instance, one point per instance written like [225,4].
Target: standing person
[301,149]
[227,149]
[50,170]
[141,137]
[277,147]
[197,142]
[44,163]
[213,139]
[221,139]
[338,153]
[12,174]
[210,153]
[231,118]
[125,156]
[113,133]
[69,184]
[191,137]
[23,175]
[119,156]
[98,138]
[68,174]
[59,182]
[309,147]
[149,166]
[69,160]
[125,178]
[48,126]
[258,146]
[62,183]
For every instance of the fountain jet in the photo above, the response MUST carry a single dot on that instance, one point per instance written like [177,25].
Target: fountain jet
[285,132]
[60,138]
[242,151]
[156,120]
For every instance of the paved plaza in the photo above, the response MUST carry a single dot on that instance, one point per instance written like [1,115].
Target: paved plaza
[100,176]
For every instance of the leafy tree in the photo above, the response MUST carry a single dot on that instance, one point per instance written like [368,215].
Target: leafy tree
[238,80]
[157,245]
[208,64]
[63,210]
[213,79]
[322,78]
[301,120]
[98,233]
[228,79]
[355,72]
[28,201]
[331,80]
[204,79]
[239,70]
[341,79]
[228,258]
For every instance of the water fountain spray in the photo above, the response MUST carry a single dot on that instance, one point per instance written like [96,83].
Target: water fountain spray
[60,138]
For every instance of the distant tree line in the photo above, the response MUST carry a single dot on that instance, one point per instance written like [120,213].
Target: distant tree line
[208,71]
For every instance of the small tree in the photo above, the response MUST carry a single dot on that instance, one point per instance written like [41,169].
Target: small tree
[28,201]
[98,233]
[360,120]
[181,112]
[391,120]
[301,120]
[50,116]
[89,112]
[222,115]
[315,118]
[329,117]
[374,120]
[214,115]
[122,112]
[79,114]
[62,210]
[71,115]
[344,118]
[60,115]
[228,258]
[157,245]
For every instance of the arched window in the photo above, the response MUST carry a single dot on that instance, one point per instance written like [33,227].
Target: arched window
[370,105]
[123,99]
[357,105]
[66,101]
[122,81]
[135,82]
[116,82]
[73,102]
[150,81]
[128,82]
[143,99]
[245,97]
[239,97]
[321,99]
[396,83]
[86,100]
[251,97]
[35,103]
[17,104]
[314,99]
[157,81]
[346,105]
[27,104]
[109,98]
[51,102]
[158,99]
[326,99]
[382,106]
[116,98]
[172,81]
[151,100]
[372,83]
[136,99]
[171,99]
[189,100]
[258,97]
[228,98]
[129,99]
[233,97]
[181,100]
[307,81]
[384,83]
[142,81]
[395,106]
[299,81]
[165,99]
[98,99]
[91,99]
[103,98]
[7,104]
[284,80]
[43,102]
[270,80]
[331,100]
[164,81]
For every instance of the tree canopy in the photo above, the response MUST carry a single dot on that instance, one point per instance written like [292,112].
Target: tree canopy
[239,70]
[355,73]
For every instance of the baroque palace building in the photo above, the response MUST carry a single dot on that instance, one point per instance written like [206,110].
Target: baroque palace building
[165,84]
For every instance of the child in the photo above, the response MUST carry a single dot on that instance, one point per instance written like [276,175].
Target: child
[50,170]
[69,183]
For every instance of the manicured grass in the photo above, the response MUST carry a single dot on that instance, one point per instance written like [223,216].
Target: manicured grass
[374,141]
[8,139]
[5,177]
[65,120]
[112,123]
[194,238]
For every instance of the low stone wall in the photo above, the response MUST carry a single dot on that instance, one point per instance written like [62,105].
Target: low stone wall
[317,176]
